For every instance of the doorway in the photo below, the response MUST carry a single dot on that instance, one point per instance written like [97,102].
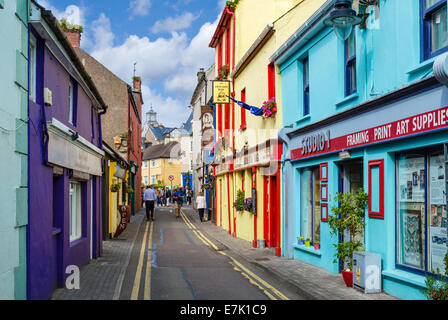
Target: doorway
[351,174]
[271,219]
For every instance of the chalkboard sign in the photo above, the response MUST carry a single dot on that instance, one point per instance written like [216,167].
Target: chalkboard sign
[254,201]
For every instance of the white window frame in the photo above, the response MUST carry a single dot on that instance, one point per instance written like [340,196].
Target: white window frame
[32,67]
[75,210]
[70,102]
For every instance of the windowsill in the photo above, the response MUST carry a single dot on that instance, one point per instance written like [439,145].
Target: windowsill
[404,276]
[56,231]
[418,68]
[74,243]
[310,249]
[347,99]
[303,119]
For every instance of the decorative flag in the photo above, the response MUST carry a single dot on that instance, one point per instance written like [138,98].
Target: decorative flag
[254,110]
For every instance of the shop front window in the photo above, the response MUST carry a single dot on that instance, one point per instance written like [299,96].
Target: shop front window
[75,207]
[310,200]
[422,217]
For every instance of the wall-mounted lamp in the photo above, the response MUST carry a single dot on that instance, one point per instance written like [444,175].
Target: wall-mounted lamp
[343,18]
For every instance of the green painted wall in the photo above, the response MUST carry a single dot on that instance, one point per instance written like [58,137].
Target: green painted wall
[14,146]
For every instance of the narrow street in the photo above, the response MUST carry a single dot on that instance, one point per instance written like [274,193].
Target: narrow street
[173,260]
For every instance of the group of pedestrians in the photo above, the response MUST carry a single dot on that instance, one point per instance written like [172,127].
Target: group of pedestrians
[164,197]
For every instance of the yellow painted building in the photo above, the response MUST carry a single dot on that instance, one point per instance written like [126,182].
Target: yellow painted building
[159,163]
[116,198]
[245,39]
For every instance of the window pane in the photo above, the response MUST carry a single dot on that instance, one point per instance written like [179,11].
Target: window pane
[439,29]
[411,192]
[306,72]
[307,203]
[438,216]
[351,46]
[430,3]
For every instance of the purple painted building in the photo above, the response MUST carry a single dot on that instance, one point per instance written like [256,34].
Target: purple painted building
[65,159]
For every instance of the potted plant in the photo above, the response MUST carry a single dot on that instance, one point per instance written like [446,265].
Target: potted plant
[239,203]
[317,245]
[348,216]
[269,108]
[301,241]
[437,284]
[307,242]
[115,187]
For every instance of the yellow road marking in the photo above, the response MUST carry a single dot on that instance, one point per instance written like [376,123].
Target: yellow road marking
[147,290]
[136,287]
[242,269]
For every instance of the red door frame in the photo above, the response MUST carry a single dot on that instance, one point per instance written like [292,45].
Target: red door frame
[266,210]
[271,218]
[254,185]
[228,202]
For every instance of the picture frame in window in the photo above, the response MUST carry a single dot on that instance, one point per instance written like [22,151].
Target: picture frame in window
[324,212]
[324,192]
[324,172]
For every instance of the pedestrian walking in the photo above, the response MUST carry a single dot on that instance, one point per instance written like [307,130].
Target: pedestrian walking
[159,199]
[150,198]
[178,198]
[200,204]
[189,195]
[168,195]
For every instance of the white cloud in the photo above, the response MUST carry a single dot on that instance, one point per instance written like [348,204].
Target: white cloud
[171,24]
[170,112]
[140,7]
[72,13]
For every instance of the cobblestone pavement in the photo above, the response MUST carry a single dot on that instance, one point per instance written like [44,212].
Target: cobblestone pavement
[102,278]
[310,281]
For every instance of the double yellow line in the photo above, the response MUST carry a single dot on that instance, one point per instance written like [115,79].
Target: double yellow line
[138,274]
[268,289]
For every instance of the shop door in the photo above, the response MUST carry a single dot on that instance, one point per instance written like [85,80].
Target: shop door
[351,180]
[271,217]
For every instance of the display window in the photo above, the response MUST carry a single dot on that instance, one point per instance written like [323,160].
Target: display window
[421,212]
[310,215]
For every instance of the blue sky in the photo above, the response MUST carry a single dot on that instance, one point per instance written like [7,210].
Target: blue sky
[168,40]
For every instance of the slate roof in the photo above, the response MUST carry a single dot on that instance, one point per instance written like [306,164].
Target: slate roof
[162,151]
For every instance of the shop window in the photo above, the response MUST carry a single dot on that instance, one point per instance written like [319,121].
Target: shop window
[434,28]
[422,216]
[310,204]
[350,65]
[75,208]
[306,87]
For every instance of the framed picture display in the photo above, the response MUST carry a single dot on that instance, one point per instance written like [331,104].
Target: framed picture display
[324,192]
[324,212]
[324,172]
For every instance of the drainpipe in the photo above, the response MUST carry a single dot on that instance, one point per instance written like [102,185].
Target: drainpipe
[287,166]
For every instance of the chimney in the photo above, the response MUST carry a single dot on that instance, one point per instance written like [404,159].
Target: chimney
[74,37]
[201,74]
[137,81]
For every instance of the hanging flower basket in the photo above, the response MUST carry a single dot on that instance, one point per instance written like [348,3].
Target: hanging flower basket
[269,108]
[205,186]
[239,203]
[115,188]
[223,73]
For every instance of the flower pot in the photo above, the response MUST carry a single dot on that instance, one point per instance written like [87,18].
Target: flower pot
[348,278]
[300,242]
[317,246]
[307,243]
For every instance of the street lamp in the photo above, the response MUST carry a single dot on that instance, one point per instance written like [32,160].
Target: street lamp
[343,18]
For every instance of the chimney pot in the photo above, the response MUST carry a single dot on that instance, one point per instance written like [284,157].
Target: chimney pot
[74,37]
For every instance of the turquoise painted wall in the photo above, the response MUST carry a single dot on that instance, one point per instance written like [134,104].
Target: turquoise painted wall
[388,58]
[14,146]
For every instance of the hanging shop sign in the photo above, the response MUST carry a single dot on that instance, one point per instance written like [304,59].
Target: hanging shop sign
[221,92]
[321,143]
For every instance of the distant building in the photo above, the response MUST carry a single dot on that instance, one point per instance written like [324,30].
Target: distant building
[160,162]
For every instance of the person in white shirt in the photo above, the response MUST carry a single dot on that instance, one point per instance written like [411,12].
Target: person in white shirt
[150,197]
[201,205]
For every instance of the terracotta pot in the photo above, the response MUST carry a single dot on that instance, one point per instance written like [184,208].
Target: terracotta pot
[348,278]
